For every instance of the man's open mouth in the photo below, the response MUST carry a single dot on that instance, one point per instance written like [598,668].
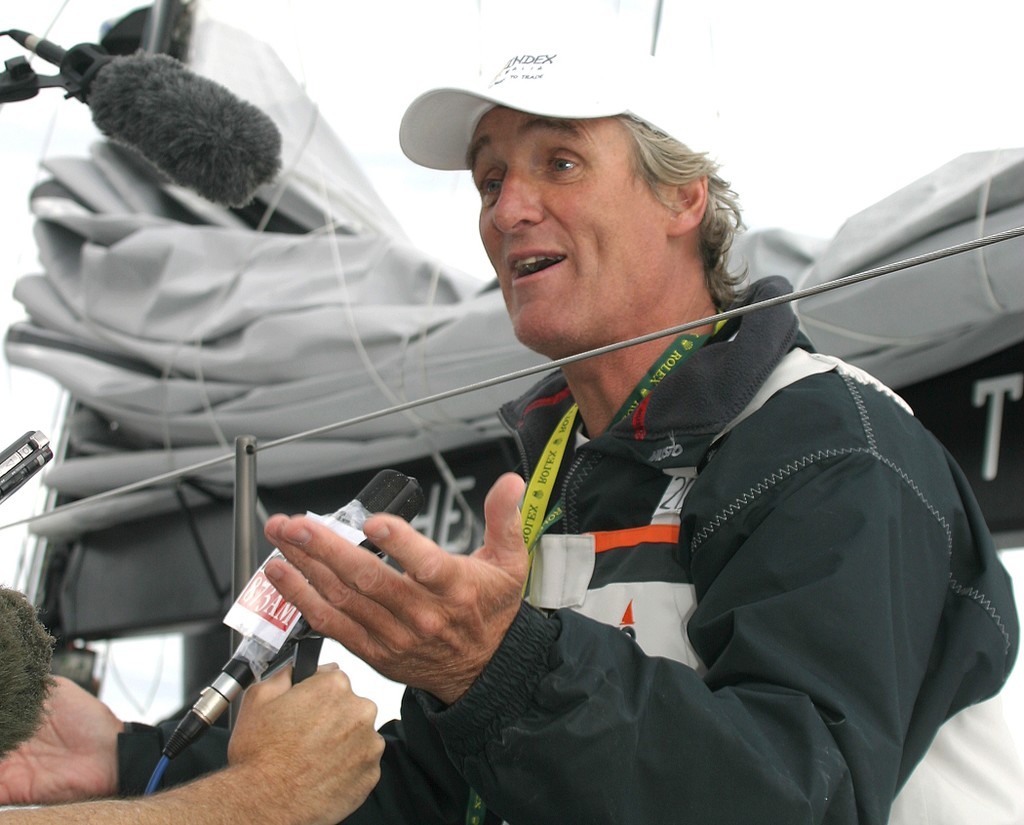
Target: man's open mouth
[528,266]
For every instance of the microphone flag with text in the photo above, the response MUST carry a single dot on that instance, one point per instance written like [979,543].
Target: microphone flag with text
[192,129]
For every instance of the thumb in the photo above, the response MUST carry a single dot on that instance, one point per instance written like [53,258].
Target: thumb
[503,526]
[268,689]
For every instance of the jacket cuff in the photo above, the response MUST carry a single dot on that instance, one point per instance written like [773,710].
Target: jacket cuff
[502,692]
[138,751]
[140,747]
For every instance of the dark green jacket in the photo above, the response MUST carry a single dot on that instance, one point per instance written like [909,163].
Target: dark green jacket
[778,615]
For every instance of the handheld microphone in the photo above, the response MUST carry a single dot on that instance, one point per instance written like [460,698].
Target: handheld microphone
[272,627]
[21,460]
[195,131]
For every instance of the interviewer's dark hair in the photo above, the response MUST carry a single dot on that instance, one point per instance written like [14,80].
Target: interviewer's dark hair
[25,680]
[663,160]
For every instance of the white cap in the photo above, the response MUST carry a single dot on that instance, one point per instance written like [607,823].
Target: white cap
[438,126]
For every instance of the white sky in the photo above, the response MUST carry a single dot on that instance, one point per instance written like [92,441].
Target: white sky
[819,110]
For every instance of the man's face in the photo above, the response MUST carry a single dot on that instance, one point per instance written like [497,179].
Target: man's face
[577,239]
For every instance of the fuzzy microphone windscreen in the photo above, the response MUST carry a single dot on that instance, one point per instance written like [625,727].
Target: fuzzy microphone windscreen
[25,680]
[192,129]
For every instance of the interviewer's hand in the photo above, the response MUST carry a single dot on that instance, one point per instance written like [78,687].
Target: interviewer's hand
[436,625]
[72,756]
[311,747]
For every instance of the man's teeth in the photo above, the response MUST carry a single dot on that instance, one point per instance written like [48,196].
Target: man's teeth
[528,266]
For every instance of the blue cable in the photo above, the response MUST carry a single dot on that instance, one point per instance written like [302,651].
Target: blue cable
[158,774]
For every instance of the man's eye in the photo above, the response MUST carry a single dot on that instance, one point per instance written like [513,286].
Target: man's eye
[489,190]
[563,165]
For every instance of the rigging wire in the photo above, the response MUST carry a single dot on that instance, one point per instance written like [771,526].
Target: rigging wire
[656,26]
[839,283]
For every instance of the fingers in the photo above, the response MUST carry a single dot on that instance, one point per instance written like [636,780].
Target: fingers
[422,560]
[344,578]
[276,711]
[326,617]
[334,567]
[294,537]
[345,588]
[268,689]
[273,687]
[409,625]
[503,524]
[330,563]
[419,557]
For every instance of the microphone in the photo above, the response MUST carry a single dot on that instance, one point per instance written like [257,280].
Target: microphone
[272,627]
[21,460]
[194,130]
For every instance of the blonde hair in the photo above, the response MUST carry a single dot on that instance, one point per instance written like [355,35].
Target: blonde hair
[662,160]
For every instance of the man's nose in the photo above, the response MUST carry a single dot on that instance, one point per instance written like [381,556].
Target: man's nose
[518,204]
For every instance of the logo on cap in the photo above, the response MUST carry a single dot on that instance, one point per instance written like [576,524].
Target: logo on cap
[524,67]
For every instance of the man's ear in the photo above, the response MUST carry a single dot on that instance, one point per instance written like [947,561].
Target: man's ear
[687,202]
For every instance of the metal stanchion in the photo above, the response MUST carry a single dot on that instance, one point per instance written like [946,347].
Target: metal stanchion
[244,562]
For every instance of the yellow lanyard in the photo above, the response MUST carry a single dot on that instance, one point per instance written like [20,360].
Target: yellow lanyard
[535,516]
[678,351]
[542,482]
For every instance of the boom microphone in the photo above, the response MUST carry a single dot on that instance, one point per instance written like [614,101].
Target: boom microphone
[195,131]
[270,626]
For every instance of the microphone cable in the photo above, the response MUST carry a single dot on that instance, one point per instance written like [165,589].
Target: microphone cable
[157,775]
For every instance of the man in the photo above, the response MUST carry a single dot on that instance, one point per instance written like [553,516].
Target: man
[757,590]
[282,765]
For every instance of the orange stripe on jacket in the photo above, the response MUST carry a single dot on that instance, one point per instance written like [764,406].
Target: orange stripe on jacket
[614,539]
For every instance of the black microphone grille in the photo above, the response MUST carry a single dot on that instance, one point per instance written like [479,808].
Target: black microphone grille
[392,492]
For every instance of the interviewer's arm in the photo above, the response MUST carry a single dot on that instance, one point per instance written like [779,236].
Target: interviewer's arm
[306,754]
